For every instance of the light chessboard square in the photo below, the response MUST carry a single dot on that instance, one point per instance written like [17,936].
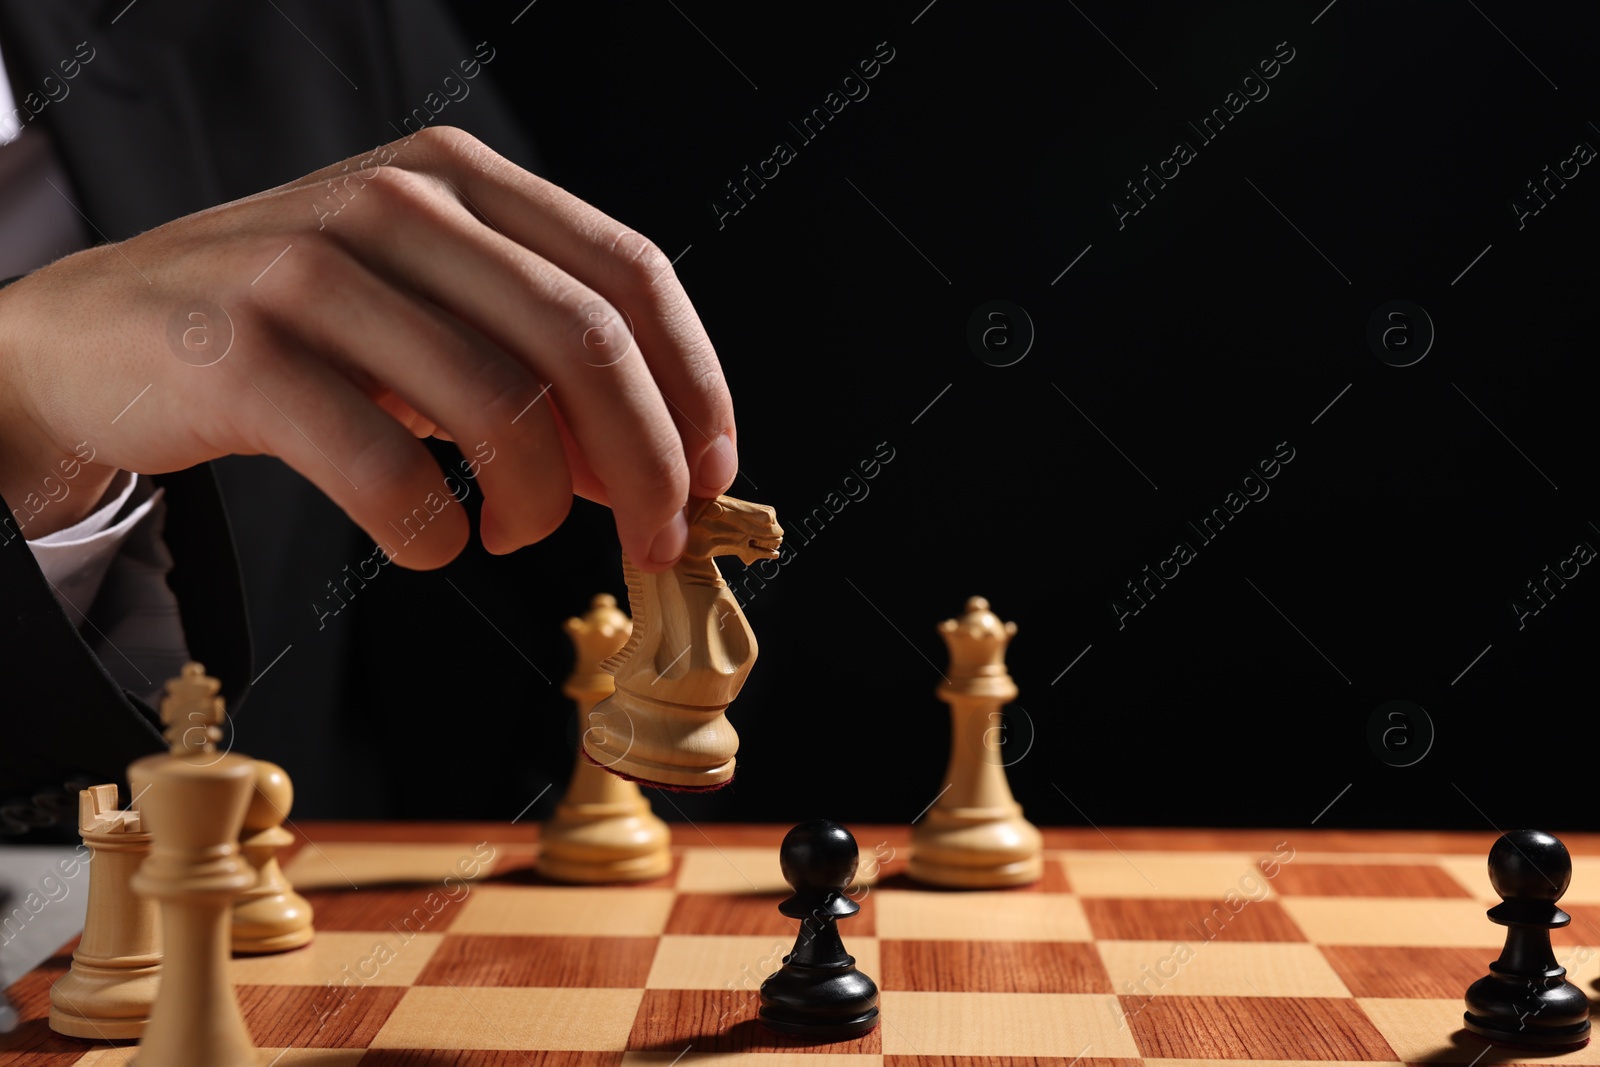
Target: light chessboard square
[709,962]
[1202,876]
[1003,1024]
[478,1017]
[1272,1063]
[1243,969]
[1473,873]
[367,958]
[979,916]
[354,865]
[754,870]
[265,1057]
[616,912]
[1430,1031]
[731,870]
[1391,921]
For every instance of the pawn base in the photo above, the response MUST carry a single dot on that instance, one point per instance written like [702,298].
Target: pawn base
[1566,1039]
[822,1032]
[822,1003]
[261,946]
[1544,1012]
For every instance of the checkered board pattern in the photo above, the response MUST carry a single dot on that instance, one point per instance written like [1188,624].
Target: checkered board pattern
[1136,948]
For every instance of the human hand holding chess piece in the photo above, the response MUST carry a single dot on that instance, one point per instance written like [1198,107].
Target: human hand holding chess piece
[430,287]
[689,654]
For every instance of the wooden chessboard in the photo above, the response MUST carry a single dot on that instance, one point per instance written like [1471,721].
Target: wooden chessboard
[1169,947]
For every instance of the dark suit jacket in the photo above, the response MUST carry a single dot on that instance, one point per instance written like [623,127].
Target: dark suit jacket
[186,105]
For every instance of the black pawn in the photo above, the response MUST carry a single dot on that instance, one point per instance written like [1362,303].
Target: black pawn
[818,993]
[1526,1001]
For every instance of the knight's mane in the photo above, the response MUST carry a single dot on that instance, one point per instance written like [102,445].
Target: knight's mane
[636,606]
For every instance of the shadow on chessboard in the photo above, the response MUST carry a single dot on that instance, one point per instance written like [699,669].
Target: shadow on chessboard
[1467,1047]
[749,1036]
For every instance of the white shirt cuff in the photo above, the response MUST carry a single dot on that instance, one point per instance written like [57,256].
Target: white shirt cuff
[75,560]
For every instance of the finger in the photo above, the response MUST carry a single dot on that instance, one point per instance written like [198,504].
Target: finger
[629,271]
[436,372]
[584,481]
[413,420]
[295,406]
[535,311]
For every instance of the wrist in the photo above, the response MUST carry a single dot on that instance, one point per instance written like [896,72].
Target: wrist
[46,486]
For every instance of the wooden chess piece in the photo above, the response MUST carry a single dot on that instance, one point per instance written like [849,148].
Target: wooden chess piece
[269,916]
[818,993]
[974,836]
[687,659]
[116,968]
[1525,1001]
[603,829]
[193,802]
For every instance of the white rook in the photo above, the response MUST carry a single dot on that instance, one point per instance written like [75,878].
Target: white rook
[116,967]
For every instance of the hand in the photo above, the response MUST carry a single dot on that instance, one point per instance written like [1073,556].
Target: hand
[430,287]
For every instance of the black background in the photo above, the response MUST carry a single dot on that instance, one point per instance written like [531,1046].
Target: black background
[1177,352]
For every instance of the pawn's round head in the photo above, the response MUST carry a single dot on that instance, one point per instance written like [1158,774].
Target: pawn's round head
[1529,865]
[818,855]
[272,799]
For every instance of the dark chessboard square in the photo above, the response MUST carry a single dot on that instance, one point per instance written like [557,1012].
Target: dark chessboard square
[1254,1028]
[1384,971]
[490,960]
[756,915]
[432,1057]
[717,1020]
[1366,880]
[32,1043]
[1160,919]
[992,967]
[297,1016]
[419,909]
[1585,927]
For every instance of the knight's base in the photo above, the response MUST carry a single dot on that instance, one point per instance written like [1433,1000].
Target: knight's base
[665,776]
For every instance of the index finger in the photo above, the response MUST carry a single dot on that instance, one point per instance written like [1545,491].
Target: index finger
[634,275]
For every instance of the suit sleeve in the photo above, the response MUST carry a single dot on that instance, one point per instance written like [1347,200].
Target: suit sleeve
[71,724]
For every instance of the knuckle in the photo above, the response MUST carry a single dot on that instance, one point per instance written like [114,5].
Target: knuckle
[450,149]
[601,334]
[402,190]
[449,142]
[309,265]
[641,263]
[509,399]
